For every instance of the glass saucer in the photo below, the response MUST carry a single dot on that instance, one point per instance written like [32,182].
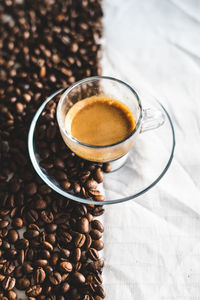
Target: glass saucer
[146,164]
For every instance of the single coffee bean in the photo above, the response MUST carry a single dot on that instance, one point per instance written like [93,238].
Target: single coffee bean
[22,244]
[55,258]
[96,224]
[12,295]
[99,175]
[23,283]
[89,217]
[78,278]
[91,184]
[98,211]
[50,228]
[65,266]
[21,256]
[93,254]
[100,291]
[47,245]
[83,225]
[81,210]
[8,267]
[28,269]
[55,278]
[3,224]
[39,275]
[95,234]
[30,234]
[18,272]
[77,254]
[31,216]
[31,188]
[17,223]
[97,278]
[95,265]
[65,185]
[79,240]
[51,238]
[8,283]
[65,287]
[34,290]
[39,203]
[47,217]
[65,253]
[98,244]
[107,167]
[45,254]
[88,242]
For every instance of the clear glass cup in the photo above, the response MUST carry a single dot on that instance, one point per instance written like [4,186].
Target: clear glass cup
[108,87]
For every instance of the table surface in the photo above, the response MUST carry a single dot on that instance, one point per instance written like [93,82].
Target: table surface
[152,244]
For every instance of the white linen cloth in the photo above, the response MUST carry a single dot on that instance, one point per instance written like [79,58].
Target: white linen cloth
[152,243]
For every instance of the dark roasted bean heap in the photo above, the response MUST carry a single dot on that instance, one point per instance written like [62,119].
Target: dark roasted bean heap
[49,245]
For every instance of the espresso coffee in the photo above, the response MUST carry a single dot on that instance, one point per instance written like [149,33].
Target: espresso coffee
[99,121]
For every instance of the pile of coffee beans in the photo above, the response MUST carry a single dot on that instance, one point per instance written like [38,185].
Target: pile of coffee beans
[49,245]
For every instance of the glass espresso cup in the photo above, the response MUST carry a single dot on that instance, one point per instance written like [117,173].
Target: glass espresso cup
[111,88]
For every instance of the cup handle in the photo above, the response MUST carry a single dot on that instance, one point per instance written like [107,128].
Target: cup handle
[152,119]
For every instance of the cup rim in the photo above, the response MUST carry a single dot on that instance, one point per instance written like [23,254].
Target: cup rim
[90,79]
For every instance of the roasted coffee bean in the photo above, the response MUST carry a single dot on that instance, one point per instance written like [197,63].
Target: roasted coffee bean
[21,256]
[95,234]
[22,244]
[89,217]
[31,216]
[91,184]
[78,278]
[2,277]
[66,237]
[66,185]
[55,278]
[12,295]
[8,283]
[93,254]
[107,167]
[39,275]
[3,224]
[98,211]
[45,254]
[8,267]
[96,224]
[50,228]
[81,210]
[31,188]
[30,234]
[28,269]
[47,217]
[10,254]
[65,266]
[34,290]
[39,203]
[95,265]
[65,253]
[23,283]
[51,238]
[88,242]
[100,291]
[55,258]
[65,287]
[77,254]
[18,272]
[98,245]
[83,225]
[79,240]
[99,175]
[17,223]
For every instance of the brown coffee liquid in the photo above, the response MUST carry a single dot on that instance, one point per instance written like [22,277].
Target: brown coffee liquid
[99,121]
